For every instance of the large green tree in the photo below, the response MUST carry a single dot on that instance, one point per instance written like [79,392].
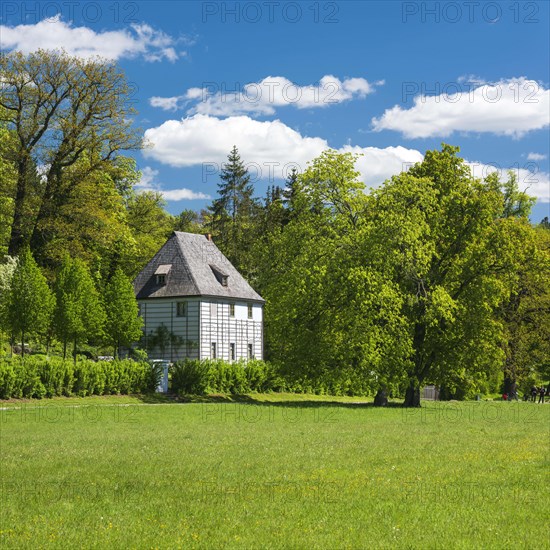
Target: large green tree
[79,315]
[123,325]
[439,235]
[30,300]
[61,108]
[329,313]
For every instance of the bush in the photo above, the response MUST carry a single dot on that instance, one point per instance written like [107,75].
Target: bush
[216,376]
[48,377]
[196,377]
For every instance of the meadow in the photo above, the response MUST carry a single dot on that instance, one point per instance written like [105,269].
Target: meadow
[272,471]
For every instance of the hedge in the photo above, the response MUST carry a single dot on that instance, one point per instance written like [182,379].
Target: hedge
[194,377]
[48,377]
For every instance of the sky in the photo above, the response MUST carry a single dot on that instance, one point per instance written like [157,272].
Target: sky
[285,80]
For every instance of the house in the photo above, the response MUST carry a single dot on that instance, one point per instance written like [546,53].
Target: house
[195,304]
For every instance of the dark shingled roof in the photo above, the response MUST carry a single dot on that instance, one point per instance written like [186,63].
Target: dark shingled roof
[194,260]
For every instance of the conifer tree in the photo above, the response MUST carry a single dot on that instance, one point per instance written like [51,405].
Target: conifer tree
[233,213]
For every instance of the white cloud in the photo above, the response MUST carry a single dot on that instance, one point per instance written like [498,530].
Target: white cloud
[270,147]
[183,194]
[148,183]
[164,103]
[510,107]
[55,34]
[536,156]
[262,98]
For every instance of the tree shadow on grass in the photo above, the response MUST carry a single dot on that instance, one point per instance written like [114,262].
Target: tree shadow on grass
[248,399]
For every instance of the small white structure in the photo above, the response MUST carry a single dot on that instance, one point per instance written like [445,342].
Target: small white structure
[195,304]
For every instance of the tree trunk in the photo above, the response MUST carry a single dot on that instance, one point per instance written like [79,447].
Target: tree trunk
[381,398]
[23,346]
[17,236]
[412,395]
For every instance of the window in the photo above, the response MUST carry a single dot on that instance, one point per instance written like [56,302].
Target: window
[250,311]
[250,351]
[181,309]
[232,351]
[213,350]
[213,310]
[140,310]
[231,310]
[161,279]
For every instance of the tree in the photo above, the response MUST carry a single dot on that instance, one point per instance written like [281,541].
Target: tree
[79,315]
[8,178]
[232,221]
[61,108]
[30,301]
[329,314]
[123,325]
[7,270]
[189,221]
[439,235]
[150,226]
[526,313]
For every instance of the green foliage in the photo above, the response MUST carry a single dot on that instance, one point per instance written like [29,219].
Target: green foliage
[30,301]
[216,376]
[40,377]
[123,325]
[234,213]
[208,376]
[150,225]
[70,114]
[79,314]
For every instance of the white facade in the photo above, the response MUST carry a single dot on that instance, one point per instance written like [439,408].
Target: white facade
[204,328]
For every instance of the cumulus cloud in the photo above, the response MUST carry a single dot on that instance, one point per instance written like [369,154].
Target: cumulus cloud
[55,34]
[271,149]
[536,156]
[510,107]
[148,183]
[264,97]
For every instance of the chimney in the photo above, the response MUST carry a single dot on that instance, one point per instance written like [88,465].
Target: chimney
[208,236]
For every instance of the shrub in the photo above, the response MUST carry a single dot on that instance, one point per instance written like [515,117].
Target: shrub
[216,376]
[47,377]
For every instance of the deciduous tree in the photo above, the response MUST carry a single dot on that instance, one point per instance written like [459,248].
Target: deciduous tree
[30,301]
[123,325]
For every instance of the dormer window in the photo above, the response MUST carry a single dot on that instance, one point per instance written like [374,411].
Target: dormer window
[221,276]
[161,273]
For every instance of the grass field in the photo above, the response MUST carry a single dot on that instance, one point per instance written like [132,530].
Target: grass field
[273,471]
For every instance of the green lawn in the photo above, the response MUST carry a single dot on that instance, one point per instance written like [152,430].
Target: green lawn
[272,471]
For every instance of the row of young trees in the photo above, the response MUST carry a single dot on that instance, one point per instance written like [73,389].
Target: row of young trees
[73,312]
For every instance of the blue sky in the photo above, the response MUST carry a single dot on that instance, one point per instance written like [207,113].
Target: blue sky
[284,80]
